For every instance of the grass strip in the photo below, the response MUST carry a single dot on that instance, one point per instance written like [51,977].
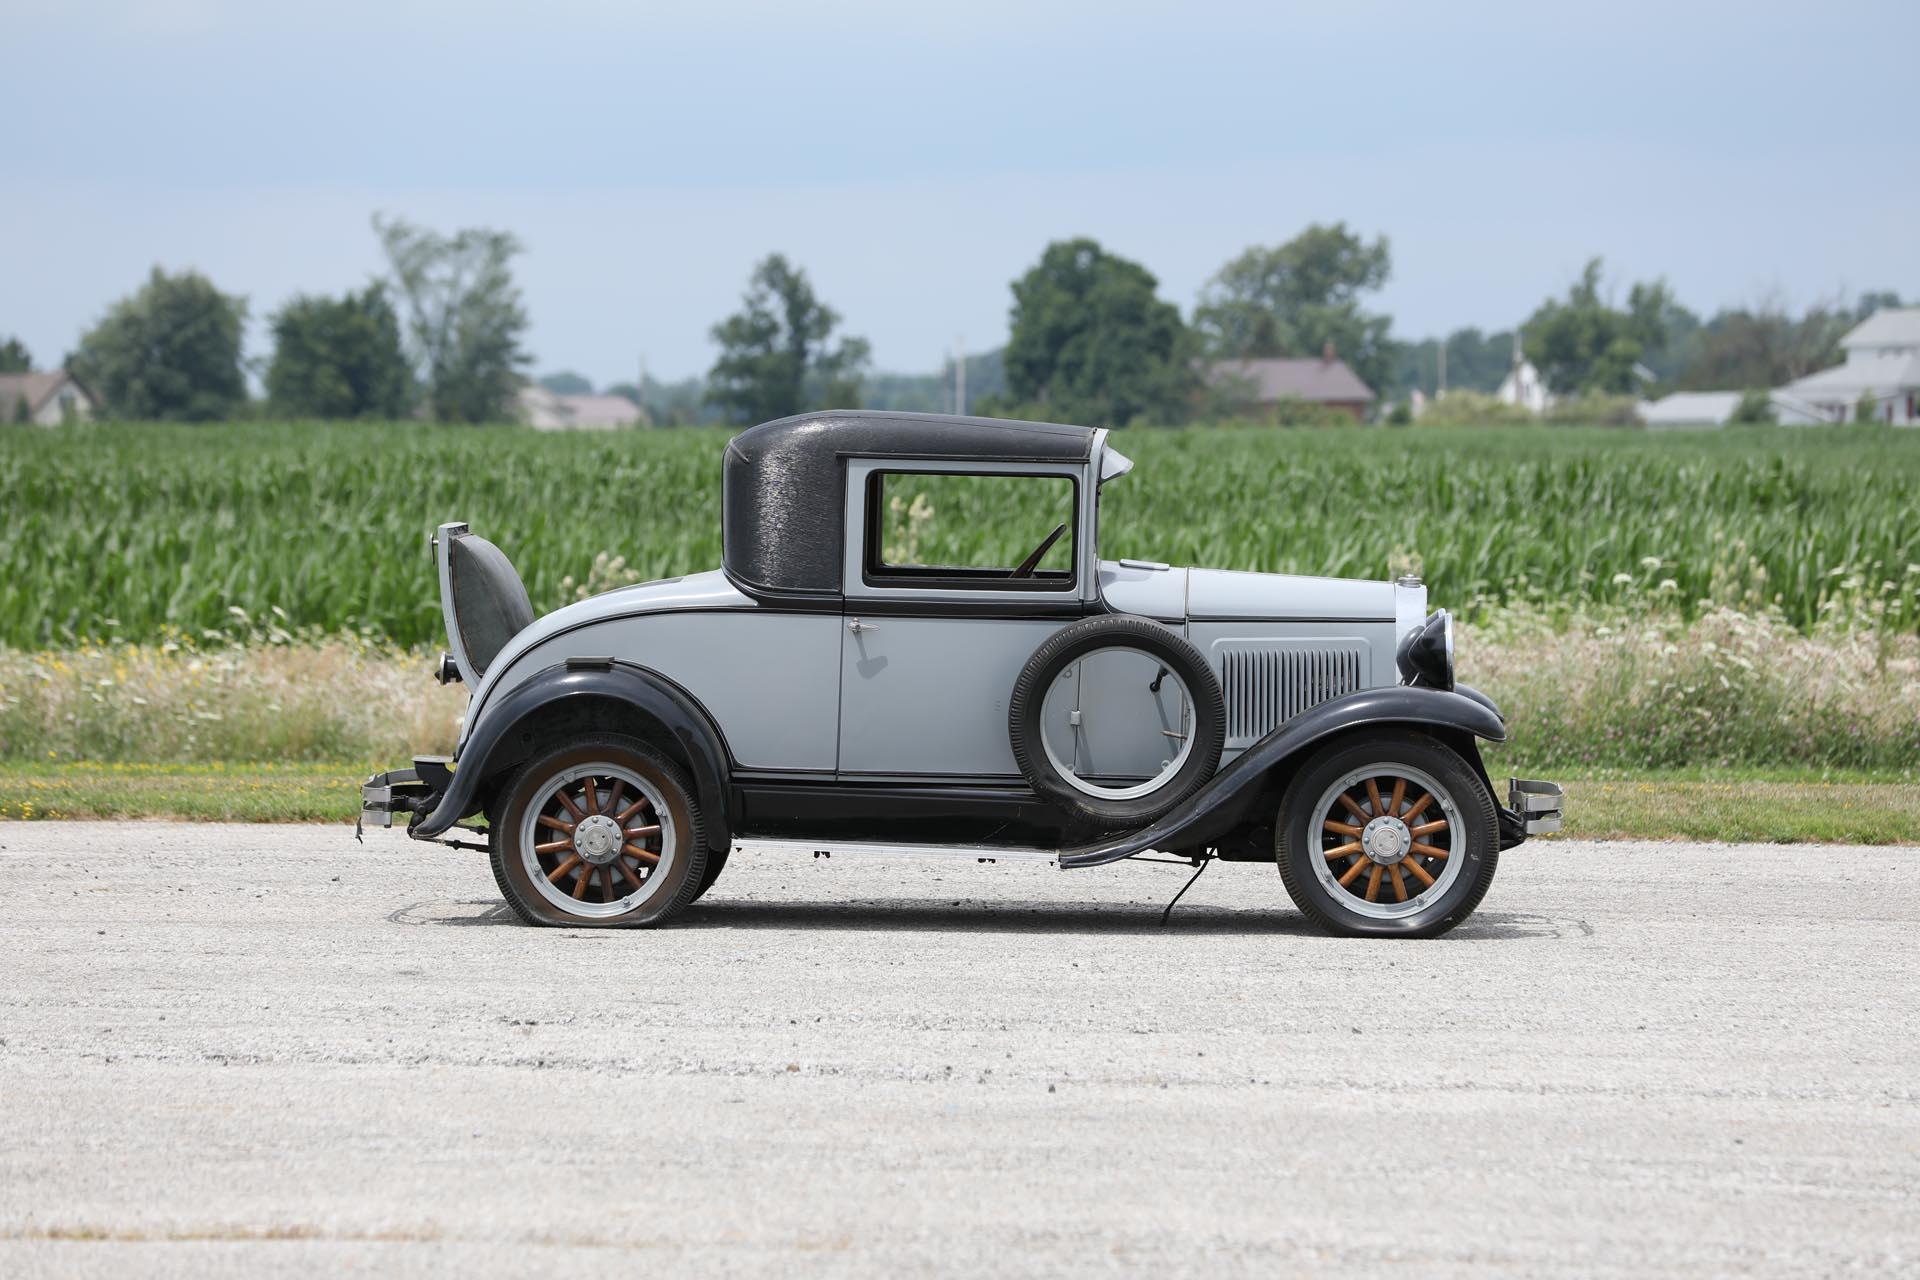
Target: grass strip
[1768,806]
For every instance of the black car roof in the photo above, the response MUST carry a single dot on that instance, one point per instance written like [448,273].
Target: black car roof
[785,492]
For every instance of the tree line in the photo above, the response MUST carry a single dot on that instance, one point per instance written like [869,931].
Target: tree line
[439,334]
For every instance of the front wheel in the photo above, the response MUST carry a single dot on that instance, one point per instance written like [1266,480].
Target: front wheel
[1387,835]
[601,832]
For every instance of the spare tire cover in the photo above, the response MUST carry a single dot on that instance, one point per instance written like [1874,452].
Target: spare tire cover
[1098,728]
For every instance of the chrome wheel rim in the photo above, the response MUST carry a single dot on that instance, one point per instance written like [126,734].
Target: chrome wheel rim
[1172,706]
[597,841]
[1386,841]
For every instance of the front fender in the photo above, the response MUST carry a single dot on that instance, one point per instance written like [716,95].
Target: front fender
[1224,802]
[640,701]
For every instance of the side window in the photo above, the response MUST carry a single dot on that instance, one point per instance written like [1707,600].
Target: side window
[944,529]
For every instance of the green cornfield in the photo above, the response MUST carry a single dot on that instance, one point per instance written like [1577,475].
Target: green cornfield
[133,532]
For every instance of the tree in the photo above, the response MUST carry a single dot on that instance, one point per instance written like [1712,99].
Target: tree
[1874,300]
[1585,345]
[1755,408]
[1475,362]
[339,358]
[1762,346]
[1293,299]
[568,383]
[774,354]
[1092,343]
[464,317]
[14,357]
[169,352]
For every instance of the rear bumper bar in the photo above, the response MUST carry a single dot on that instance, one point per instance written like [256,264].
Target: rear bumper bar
[410,791]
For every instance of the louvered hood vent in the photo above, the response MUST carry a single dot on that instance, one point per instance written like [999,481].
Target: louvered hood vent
[1268,682]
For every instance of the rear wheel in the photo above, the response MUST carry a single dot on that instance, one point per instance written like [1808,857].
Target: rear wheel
[1387,835]
[601,832]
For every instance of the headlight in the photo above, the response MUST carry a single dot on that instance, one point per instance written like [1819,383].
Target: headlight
[1425,656]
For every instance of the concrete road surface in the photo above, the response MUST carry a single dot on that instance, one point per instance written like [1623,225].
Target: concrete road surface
[253,1050]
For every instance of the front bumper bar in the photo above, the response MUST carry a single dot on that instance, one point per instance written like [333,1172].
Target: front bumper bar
[1537,805]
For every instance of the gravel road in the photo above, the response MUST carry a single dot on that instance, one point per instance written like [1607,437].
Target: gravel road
[252,1050]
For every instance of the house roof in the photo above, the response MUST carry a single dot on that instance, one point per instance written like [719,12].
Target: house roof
[601,411]
[1887,327]
[35,388]
[1879,374]
[1691,407]
[551,410]
[784,496]
[1298,378]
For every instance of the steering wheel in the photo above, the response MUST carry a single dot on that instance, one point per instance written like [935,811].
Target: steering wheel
[1028,565]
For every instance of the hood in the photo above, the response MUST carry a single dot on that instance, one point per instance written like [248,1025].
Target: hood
[1281,597]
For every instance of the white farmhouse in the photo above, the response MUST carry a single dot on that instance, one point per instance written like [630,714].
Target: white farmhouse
[44,399]
[1883,364]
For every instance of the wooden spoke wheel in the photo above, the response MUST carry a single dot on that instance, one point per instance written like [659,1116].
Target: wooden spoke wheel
[601,832]
[1387,839]
[596,838]
[1388,833]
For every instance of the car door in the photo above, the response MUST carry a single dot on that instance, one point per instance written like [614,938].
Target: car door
[936,625]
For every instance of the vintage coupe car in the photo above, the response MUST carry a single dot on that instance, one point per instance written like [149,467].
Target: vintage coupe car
[871,670]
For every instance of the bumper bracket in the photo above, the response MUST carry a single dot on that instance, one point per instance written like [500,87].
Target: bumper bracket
[1538,805]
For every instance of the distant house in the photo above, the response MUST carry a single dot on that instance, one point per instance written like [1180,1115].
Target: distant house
[1882,364]
[45,399]
[1715,409]
[549,411]
[1524,386]
[1273,382]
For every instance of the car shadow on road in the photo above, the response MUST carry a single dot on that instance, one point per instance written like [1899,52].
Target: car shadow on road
[972,915]
[991,916]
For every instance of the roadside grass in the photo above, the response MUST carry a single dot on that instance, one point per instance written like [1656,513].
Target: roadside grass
[1768,812]
[209,792]
[1767,806]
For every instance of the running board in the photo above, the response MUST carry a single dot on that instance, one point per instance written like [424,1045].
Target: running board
[856,848]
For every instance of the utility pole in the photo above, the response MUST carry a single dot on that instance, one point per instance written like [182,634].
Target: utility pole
[960,375]
[1443,370]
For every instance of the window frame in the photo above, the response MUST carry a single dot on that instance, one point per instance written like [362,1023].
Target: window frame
[876,572]
[865,582]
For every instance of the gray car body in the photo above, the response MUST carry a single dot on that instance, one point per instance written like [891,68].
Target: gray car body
[796,674]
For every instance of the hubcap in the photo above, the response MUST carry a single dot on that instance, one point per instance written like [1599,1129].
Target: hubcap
[1385,840]
[1389,840]
[598,838]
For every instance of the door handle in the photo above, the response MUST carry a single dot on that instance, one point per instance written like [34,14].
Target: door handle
[860,628]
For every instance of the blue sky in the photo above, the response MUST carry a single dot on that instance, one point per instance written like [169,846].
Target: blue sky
[915,158]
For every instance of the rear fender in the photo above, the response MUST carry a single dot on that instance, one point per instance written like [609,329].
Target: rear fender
[1237,791]
[590,693]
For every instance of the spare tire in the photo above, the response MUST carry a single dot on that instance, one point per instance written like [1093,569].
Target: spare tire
[1196,721]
